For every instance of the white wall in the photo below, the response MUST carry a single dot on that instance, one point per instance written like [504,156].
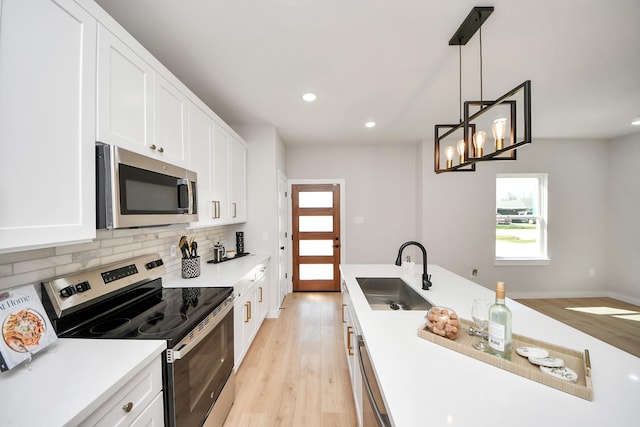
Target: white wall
[265,154]
[622,217]
[459,219]
[594,198]
[380,186]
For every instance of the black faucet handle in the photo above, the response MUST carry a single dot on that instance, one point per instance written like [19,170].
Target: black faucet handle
[426,281]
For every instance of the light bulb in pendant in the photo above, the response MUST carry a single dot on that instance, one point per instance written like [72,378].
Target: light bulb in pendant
[499,131]
[461,150]
[478,141]
[449,153]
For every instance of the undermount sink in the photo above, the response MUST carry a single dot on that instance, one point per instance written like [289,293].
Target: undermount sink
[391,293]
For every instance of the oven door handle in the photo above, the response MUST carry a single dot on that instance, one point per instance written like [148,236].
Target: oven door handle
[200,333]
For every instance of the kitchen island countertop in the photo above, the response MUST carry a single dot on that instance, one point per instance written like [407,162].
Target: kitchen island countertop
[69,380]
[427,384]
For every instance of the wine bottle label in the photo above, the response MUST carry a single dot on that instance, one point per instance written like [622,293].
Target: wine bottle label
[496,336]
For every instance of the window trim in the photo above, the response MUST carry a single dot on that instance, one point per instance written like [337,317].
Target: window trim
[542,223]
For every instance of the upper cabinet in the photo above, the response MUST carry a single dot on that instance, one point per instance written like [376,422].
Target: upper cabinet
[220,159]
[238,185]
[47,123]
[125,95]
[200,137]
[138,108]
[170,118]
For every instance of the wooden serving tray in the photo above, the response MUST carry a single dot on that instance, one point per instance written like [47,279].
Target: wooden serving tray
[574,360]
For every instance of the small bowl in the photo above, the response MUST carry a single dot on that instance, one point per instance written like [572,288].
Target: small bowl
[443,321]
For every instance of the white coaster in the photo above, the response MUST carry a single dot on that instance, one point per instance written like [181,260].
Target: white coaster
[532,352]
[551,362]
[563,373]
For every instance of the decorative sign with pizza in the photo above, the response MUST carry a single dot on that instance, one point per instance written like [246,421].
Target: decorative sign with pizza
[26,329]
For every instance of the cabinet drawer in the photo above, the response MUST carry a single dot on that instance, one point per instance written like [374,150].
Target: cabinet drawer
[131,400]
[152,415]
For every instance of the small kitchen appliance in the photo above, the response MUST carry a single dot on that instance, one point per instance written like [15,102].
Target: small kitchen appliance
[138,191]
[126,300]
[240,242]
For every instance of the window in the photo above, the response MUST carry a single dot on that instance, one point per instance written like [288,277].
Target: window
[521,218]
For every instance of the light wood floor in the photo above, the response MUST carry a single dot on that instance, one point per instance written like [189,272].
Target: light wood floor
[621,333]
[295,373]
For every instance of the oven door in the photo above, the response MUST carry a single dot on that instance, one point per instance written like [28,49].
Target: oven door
[199,370]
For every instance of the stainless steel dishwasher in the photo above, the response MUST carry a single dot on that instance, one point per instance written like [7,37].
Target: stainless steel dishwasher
[374,412]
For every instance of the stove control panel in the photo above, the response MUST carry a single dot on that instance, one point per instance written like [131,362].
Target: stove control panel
[71,293]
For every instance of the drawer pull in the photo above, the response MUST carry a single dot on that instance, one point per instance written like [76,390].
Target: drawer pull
[127,407]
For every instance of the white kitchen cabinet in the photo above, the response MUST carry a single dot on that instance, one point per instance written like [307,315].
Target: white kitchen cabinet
[229,178]
[250,309]
[262,292]
[138,108]
[200,143]
[238,187]
[170,119]
[138,402]
[125,95]
[47,123]
[351,331]
[220,177]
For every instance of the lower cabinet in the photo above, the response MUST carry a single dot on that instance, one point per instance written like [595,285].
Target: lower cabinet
[351,330]
[250,309]
[139,402]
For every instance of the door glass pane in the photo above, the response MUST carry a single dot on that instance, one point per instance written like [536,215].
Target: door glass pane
[316,247]
[316,271]
[315,199]
[316,223]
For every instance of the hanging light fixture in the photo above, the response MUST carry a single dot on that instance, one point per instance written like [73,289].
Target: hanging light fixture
[505,117]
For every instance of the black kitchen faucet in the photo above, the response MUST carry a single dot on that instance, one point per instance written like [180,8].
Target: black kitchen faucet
[426,278]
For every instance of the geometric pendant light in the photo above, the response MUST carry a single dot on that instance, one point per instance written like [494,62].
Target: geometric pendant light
[489,129]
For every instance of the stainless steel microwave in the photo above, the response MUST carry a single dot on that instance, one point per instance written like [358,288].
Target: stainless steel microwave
[133,190]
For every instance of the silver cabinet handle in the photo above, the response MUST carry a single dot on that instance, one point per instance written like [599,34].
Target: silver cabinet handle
[234,209]
[152,146]
[161,150]
[127,407]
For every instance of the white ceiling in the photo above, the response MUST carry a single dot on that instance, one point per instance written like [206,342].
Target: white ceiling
[389,61]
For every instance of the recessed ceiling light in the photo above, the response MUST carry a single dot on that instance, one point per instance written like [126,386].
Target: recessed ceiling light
[636,121]
[309,96]
[370,124]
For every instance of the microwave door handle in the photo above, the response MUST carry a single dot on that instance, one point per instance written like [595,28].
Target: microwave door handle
[184,194]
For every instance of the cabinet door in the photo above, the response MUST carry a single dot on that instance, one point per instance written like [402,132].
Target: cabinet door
[125,95]
[238,190]
[47,123]
[200,142]
[170,118]
[251,321]
[262,294]
[220,174]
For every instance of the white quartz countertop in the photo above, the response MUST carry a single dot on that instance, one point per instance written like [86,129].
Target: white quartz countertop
[69,380]
[225,273]
[427,384]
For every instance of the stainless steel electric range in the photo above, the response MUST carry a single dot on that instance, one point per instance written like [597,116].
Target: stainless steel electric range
[126,300]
